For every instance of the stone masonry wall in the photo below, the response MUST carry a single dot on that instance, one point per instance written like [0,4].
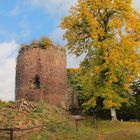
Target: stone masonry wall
[49,65]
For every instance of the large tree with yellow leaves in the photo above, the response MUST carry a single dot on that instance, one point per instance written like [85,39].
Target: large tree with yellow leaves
[107,33]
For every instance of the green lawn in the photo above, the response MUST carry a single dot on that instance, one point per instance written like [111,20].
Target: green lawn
[105,130]
[11,117]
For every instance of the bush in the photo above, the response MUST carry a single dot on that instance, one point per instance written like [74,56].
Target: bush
[42,43]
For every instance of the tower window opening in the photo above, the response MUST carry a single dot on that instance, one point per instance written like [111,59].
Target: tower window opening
[37,81]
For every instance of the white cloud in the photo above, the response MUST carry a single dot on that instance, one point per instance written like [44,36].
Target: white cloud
[73,61]
[8,52]
[53,7]
[57,35]
[61,7]
[136,5]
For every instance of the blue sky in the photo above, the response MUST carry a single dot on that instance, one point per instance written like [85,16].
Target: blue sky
[25,20]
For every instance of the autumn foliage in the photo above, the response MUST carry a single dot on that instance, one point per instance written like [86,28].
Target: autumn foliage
[107,33]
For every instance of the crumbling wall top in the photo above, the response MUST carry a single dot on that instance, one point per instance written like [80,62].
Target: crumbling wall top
[43,43]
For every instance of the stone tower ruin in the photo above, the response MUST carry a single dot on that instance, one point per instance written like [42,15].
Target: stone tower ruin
[41,74]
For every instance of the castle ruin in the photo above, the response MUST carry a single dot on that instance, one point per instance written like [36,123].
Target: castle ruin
[41,74]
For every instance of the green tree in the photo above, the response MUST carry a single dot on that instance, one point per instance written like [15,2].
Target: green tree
[136,90]
[73,81]
[107,33]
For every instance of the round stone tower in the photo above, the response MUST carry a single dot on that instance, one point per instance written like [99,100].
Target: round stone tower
[41,74]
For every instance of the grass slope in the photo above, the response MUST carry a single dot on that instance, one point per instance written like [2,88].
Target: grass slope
[12,116]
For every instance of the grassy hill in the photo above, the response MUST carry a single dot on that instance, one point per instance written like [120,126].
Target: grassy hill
[24,114]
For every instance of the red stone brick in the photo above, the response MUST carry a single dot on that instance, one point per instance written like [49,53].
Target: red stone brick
[50,65]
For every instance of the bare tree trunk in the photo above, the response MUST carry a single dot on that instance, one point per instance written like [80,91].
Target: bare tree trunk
[113,115]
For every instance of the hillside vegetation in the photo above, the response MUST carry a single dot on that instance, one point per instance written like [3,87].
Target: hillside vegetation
[24,114]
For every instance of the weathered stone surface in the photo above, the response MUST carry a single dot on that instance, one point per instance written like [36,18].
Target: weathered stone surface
[72,99]
[49,66]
